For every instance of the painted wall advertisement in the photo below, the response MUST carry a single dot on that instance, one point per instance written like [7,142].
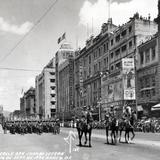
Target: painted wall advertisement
[128,74]
[112,90]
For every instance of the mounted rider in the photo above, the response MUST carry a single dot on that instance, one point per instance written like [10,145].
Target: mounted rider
[87,116]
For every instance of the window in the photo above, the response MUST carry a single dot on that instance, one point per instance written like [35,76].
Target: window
[112,67]
[99,63]
[124,48]
[118,38]
[112,42]
[130,29]
[153,54]
[130,44]
[141,83]
[107,46]
[112,55]
[141,58]
[52,73]
[118,65]
[53,102]
[53,95]
[104,47]
[117,52]
[105,62]
[99,52]
[142,94]
[52,80]
[147,82]
[89,59]
[153,92]
[124,33]
[89,71]
[153,80]
[147,56]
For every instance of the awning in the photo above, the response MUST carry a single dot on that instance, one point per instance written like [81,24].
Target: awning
[155,107]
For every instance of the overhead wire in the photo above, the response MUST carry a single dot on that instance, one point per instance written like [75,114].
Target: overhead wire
[19,69]
[37,22]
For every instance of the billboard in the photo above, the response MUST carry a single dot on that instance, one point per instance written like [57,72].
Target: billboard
[112,90]
[128,75]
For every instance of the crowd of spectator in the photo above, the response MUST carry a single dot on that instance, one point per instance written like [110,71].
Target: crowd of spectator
[141,125]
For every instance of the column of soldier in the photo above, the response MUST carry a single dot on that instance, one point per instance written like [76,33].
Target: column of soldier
[38,127]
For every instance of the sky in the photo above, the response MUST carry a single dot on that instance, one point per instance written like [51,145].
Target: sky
[78,18]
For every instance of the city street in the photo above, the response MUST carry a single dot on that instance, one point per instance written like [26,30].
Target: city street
[146,146]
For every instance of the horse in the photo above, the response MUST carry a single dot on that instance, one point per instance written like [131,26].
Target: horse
[111,124]
[127,124]
[84,125]
[130,127]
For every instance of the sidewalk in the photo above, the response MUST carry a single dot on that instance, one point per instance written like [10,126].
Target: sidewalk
[101,134]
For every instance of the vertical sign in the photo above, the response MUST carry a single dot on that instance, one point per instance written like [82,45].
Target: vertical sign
[81,77]
[128,74]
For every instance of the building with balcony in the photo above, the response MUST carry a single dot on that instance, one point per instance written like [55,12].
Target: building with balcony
[65,81]
[46,91]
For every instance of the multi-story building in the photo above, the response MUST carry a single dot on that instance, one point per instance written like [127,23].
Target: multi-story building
[65,81]
[147,75]
[123,44]
[22,106]
[30,108]
[89,63]
[101,62]
[46,91]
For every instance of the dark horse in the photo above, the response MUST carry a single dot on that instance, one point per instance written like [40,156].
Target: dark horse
[127,125]
[84,125]
[111,124]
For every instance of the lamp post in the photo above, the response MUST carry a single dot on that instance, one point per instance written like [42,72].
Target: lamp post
[99,109]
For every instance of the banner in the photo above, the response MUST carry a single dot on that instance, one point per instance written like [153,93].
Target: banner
[61,38]
[128,74]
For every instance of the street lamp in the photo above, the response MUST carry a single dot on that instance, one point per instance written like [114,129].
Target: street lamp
[99,109]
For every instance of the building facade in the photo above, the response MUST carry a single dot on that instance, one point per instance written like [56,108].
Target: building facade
[147,75]
[46,91]
[27,104]
[65,81]
[100,60]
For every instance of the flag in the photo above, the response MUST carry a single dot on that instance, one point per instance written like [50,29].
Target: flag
[61,38]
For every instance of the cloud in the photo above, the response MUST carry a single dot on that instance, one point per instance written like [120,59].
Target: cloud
[15,29]
[120,12]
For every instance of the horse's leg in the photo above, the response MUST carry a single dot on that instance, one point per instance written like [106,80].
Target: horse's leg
[133,134]
[112,136]
[128,135]
[120,134]
[107,129]
[80,133]
[126,132]
[90,132]
[85,137]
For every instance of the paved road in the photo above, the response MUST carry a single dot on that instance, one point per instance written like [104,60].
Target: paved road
[49,143]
